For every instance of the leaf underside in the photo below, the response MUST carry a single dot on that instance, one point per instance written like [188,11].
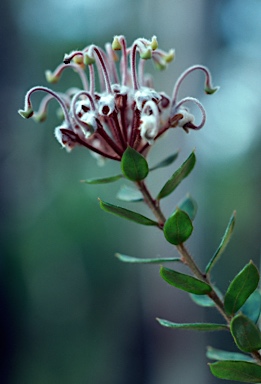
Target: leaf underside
[204,327]
[136,260]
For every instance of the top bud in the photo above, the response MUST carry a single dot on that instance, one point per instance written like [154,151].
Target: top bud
[169,57]
[116,45]
[88,60]
[154,43]
[50,77]
[210,91]
[146,54]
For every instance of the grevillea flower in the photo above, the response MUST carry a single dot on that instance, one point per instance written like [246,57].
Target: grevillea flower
[124,110]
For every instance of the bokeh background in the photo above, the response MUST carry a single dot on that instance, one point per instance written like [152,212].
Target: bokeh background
[70,312]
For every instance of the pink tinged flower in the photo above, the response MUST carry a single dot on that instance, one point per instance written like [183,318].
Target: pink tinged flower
[117,106]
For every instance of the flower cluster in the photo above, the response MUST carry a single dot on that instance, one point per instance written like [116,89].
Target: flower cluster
[125,110]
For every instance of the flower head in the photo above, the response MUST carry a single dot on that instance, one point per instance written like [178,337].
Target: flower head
[124,110]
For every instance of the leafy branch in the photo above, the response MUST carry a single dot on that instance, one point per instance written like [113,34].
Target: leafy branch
[242,294]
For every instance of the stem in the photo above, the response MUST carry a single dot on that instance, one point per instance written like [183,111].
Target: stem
[208,81]
[186,258]
[152,203]
[256,355]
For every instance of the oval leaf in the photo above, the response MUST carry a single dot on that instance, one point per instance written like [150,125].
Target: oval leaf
[178,176]
[237,371]
[189,206]
[129,194]
[164,163]
[104,180]
[240,288]
[218,354]
[127,214]
[185,282]
[134,166]
[131,259]
[224,242]
[178,227]
[246,334]
[205,327]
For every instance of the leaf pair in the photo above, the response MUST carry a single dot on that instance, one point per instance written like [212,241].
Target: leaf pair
[134,167]
[234,366]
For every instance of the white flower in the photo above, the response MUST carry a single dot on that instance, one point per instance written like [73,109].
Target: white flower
[90,123]
[145,94]
[149,128]
[106,105]
[65,141]
[187,117]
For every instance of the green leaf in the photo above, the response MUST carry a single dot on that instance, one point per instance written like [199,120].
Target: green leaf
[205,327]
[237,371]
[129,194]
[224,242]
[130,259]
[205,301]
[178,227]
[164,163]
[103,180]
[178,176]
[246,334]
[134,166]
[252,306]
[240,288]
[126,214]
[189,205]
[218,354]
[185,282]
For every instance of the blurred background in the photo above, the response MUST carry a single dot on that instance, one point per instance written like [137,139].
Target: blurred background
[70,311]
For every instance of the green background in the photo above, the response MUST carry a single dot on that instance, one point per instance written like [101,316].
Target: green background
[70,311]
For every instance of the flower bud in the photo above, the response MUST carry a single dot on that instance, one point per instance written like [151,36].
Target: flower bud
[88,60]
[210,91]
[27,113]
[78,59]
[154,43]
[40,117]
[116,45]
[169,57]
[145,54]
[51,78]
